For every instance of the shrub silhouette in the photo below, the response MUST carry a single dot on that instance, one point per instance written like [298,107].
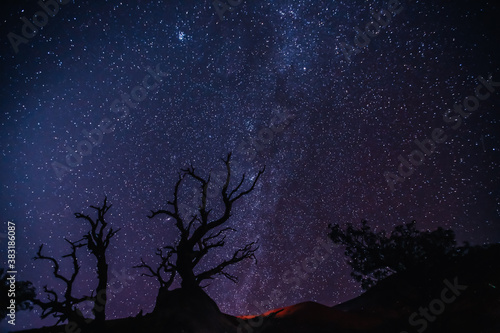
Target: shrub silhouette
[376,255]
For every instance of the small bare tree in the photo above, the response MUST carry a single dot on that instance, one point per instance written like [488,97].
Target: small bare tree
[97,241]
[200,233]
[62,309]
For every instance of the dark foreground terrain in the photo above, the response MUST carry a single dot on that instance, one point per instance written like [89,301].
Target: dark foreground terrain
[459,296]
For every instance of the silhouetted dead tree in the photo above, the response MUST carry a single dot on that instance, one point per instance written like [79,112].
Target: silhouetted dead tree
[62,309]
[200,233]
[97,241]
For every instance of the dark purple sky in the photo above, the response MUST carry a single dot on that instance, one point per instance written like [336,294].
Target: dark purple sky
[224,83]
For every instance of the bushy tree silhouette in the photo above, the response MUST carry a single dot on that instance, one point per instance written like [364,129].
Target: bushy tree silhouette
[200,233]
[376,255]
[25,294]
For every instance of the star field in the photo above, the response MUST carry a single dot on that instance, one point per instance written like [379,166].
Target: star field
[223,86]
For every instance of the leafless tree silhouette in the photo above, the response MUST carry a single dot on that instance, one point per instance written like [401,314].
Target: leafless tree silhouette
[62,309]
[200,233]
[97,241]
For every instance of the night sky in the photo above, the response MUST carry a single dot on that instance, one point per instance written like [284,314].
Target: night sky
[224,85]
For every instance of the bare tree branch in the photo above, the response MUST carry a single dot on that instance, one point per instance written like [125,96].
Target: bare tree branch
[175,204]
[248,252]
[165,266]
